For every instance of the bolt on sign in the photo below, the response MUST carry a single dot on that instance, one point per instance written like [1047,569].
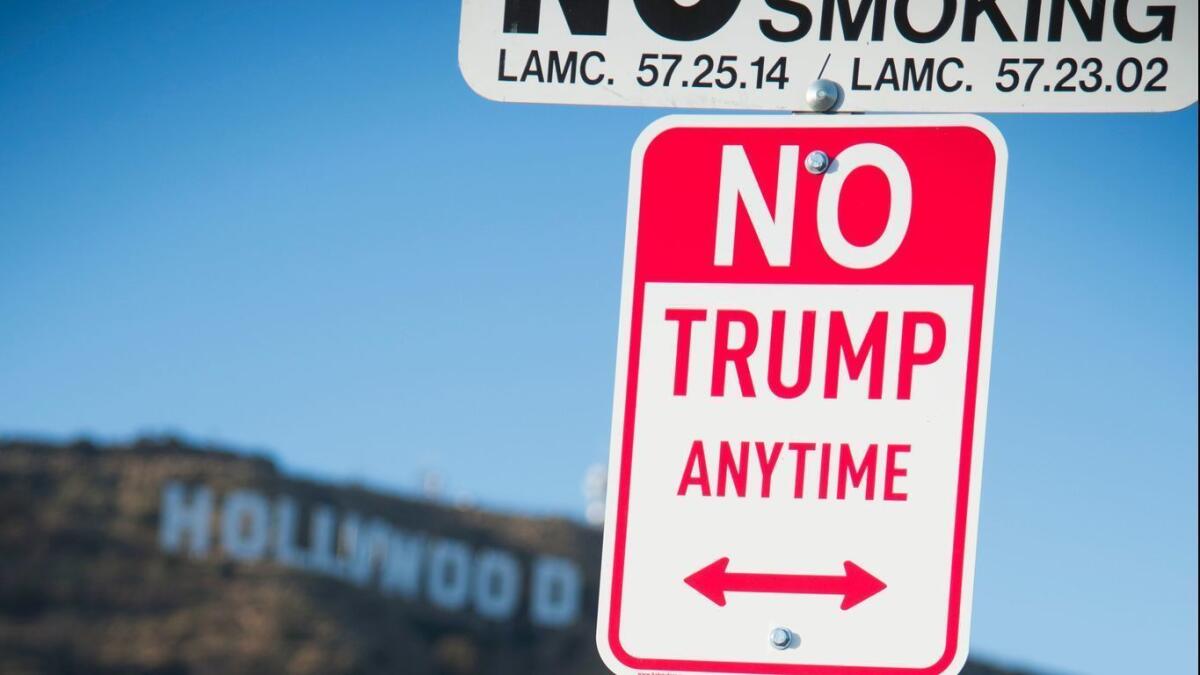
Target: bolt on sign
[886,55]
[801,386]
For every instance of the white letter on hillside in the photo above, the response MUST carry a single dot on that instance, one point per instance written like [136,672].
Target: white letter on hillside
[554,599]
[245,522]
[177,517]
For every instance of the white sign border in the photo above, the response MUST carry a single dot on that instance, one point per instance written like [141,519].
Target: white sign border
[983,379]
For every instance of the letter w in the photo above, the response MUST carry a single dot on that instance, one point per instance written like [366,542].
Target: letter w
[738,182]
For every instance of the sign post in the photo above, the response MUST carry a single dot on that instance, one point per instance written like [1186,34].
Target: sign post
[801,389]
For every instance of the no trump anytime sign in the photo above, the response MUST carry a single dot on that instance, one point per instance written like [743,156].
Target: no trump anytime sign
[800,395]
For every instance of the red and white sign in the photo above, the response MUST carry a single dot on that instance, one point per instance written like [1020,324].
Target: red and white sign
[801,387]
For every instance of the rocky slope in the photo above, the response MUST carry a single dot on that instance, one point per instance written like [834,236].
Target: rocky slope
[101,572]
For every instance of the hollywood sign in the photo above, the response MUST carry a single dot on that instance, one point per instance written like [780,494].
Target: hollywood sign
[451,574]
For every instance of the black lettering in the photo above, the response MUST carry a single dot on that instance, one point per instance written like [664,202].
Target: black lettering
[915,80]
[1033,20]
[855,85]
[803,21]
[533,68]
[888,75]
[1164,29]
[584,17]
[583,68]
[941,74]
[561,70]
[852,26]
[1092,24]
[676,22]
[971,12]
[949,9]
[503,76]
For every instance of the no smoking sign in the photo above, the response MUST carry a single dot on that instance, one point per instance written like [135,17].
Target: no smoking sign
[800,396]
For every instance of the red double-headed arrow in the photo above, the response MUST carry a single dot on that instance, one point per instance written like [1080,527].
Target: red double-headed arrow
[856,585]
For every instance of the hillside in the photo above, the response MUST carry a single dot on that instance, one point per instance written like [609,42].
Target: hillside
[158,557]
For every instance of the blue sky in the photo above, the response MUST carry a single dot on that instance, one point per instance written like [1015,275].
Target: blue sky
[291,227]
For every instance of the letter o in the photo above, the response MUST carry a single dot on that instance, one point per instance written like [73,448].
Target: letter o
[497,585]
[829,227]
[449,574]
[244,525]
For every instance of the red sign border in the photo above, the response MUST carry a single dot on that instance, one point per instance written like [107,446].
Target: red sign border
[974,413]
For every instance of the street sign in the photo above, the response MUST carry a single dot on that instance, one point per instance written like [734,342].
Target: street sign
[801,385]
[902,56]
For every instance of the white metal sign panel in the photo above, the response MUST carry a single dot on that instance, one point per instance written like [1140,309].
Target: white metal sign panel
[801,387]
[885,55]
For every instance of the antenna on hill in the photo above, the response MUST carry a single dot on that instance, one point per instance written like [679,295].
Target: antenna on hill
[432,485]
[595,487]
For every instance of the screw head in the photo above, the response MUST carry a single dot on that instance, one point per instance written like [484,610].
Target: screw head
[822,95]
[781,638]
[817,162]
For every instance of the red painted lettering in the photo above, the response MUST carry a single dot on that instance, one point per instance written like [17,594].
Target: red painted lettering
[892,472]
[808,321]
[909,356]
[724,354]
[857,475]
[840,345]
[683,347]
[735,471]
[696,471]
[767,463]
